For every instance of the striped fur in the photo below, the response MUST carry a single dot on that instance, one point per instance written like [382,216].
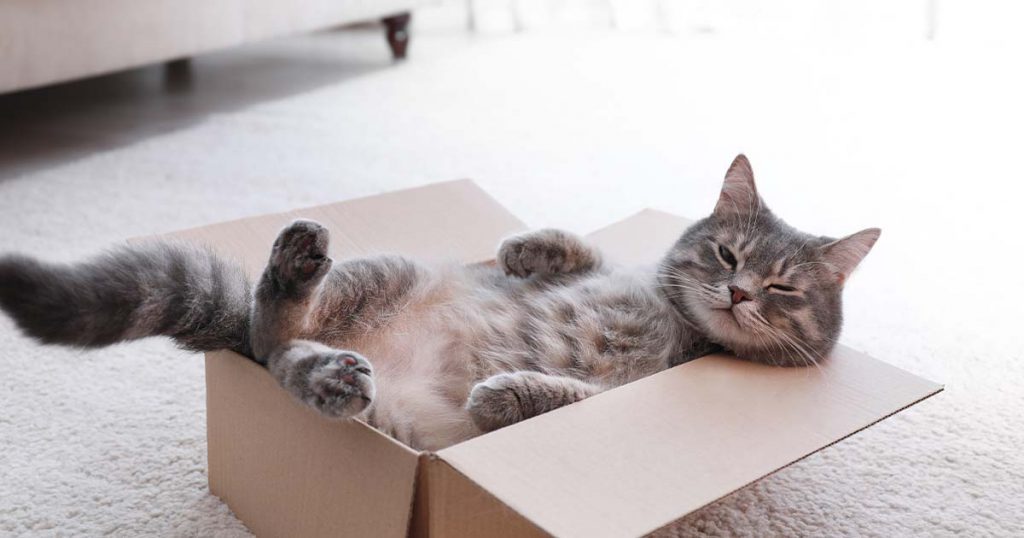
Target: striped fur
[434,355]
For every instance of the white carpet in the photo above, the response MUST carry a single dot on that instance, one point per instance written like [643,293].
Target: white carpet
[921,139]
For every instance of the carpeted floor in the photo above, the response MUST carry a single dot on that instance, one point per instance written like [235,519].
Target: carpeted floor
[570,131]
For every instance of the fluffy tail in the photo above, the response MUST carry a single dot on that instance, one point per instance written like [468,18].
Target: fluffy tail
[175,290]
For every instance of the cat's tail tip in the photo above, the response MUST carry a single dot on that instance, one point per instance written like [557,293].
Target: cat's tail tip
[31,294]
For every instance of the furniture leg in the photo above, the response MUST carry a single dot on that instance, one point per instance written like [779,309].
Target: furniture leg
[397,27]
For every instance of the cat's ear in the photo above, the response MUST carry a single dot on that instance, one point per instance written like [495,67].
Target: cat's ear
[843,255]
[739,194]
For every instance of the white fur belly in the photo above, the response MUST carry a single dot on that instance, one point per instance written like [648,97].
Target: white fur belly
[422,378]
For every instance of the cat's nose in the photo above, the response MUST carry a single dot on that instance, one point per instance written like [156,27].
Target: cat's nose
[738,294]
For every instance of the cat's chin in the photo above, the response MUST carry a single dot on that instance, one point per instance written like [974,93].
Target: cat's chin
[727,329]
[724,327]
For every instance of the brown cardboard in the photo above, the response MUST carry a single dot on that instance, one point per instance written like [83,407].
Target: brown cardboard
[622,463]
[285,471]
[640,239]
[450,504]
[631,460]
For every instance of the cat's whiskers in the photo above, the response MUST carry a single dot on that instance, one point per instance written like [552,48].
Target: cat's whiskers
[689,284]
[777,333]
[795,343]
[826,264]
[752,220]
[765,341]
[687,279]
[761,329]
[782,345]
[676,287]
[814,357]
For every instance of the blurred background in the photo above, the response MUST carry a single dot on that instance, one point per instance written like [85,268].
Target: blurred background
[902,114]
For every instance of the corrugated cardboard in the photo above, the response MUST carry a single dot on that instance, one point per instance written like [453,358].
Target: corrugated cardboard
[623,463]
[450,504]
[279,465]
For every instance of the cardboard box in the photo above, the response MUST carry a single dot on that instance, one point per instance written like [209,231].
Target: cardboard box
[624,463]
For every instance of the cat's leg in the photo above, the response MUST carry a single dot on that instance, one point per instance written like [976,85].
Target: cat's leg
[302,295]
[338,384]
[505,399]
[546,252]
[289,288]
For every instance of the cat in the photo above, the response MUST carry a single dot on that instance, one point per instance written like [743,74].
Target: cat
[434,355]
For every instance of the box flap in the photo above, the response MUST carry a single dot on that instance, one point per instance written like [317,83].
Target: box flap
[455,220]
[643,238]
[633,459]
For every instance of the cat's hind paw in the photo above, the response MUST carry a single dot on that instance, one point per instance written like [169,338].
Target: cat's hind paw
[495,403]
[504,399]
[299,257]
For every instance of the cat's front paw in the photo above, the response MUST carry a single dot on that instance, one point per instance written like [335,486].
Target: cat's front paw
[299,256]
[340,385]
[495,403]
[545,252]
[525,255]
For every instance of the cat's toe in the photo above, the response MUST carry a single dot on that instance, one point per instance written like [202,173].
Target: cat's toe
[494,404]
[342,385]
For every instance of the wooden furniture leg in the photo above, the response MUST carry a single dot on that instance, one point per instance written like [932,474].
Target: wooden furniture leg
[397,27]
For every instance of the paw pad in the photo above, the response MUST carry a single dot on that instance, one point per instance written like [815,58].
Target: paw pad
[341,386]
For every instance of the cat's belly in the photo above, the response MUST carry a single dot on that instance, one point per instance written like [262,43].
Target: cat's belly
[421,374]
[607,329]
[421,387]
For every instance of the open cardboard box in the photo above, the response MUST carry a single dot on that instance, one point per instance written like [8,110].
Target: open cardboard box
[623,463]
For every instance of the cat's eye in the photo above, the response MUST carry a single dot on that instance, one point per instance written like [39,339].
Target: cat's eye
[727,256]
[781,287]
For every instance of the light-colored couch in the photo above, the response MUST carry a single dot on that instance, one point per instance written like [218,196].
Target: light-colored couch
[48,41]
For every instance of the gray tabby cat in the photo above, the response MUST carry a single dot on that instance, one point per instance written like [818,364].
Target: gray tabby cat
[456,351]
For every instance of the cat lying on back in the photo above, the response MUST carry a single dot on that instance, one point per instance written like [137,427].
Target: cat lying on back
[437,355]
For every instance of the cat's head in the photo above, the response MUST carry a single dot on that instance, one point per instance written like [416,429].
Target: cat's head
[757,286]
